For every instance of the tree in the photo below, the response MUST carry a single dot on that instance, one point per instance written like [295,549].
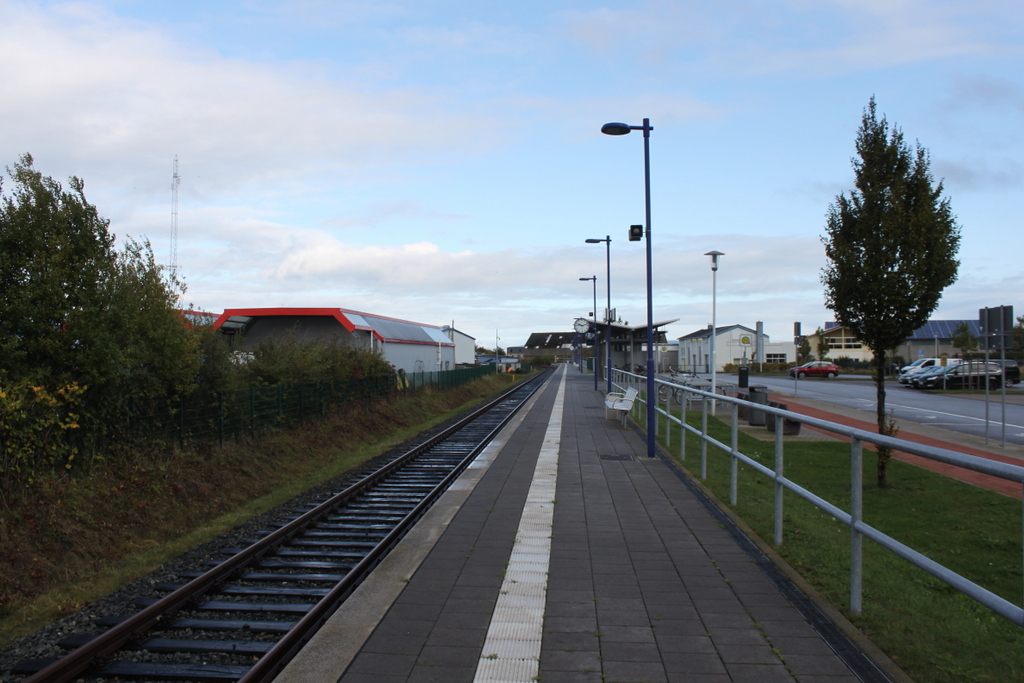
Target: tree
[891,246]
[803,351]
[821,344]
[963,340]
[1018,334]
[73,309]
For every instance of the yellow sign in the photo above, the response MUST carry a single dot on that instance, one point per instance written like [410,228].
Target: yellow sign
[744,340]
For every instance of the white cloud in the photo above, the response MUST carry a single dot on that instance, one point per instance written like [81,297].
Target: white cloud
[117,93]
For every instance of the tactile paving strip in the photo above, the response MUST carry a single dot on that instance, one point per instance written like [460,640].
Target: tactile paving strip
[511,652]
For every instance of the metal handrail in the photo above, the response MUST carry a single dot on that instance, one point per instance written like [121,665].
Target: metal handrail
[852,517]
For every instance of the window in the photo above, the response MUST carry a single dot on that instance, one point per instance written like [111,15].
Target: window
[775,358]
[844,343]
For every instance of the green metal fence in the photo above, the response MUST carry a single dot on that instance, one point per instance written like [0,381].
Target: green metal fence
[224,415]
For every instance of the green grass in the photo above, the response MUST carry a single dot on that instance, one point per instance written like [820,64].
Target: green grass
[932,631]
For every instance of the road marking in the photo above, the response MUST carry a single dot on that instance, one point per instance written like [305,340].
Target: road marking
[961,417]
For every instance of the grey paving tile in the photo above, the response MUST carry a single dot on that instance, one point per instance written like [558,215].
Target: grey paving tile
[394,644]
[449,655]
[372,678]
[630,652]
[694,663]
[457,637]
[627,634]
[571,677]
[634,672]
[696,644]
[441,674]
[622,618]
[759,673]
[569,641]
[680,627]
[697,678]
[384,664]
[570,609]
[405,627]
[571,624]
[816,665]
[582,661]
[744,653]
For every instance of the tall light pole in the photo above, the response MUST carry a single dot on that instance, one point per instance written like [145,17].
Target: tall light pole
[608,311]
[623,129]
[586,279]
[714,323]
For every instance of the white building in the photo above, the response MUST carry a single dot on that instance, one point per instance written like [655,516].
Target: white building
[736,344]
[465,346]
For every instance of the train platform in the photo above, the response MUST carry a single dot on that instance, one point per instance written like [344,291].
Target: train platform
[564,554]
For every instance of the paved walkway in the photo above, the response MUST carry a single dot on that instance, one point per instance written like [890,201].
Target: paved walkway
[639,581]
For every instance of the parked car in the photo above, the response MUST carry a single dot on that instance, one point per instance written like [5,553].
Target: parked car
[816,368]
[922,363]
[1011,372]
[917,379]
[965,375]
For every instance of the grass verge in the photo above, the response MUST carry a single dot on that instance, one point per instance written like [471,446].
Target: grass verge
[932,631]
[71,540]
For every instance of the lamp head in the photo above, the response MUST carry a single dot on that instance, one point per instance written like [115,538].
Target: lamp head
[615,129]
[714,258]
[594,241]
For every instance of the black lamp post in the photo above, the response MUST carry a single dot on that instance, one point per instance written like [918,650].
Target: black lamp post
[587,279]
[608,312]
[623,129]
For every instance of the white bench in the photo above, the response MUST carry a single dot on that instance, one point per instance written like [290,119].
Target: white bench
[617,404]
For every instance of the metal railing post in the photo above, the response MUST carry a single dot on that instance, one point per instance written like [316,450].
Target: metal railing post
[779,489]
[682,424]
[704,437]
[856,514]
[734,468]
[668,419]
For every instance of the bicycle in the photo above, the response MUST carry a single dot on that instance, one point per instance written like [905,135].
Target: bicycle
[676,377]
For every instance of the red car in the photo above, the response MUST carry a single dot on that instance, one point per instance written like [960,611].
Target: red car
[816,368]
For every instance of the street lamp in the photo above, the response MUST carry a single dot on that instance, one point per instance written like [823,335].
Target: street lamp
[586,279]
[608,311]
[714,324]
[623,129]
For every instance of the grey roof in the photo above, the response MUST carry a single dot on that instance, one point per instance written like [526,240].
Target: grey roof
[398,330]
[706,331]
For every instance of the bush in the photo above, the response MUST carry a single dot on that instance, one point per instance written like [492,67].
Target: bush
[35,425]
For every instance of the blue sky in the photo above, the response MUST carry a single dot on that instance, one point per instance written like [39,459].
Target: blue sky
[443,161]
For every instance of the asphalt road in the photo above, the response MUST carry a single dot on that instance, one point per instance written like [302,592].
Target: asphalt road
[961,413]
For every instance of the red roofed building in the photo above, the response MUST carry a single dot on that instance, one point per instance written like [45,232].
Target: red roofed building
[410,346]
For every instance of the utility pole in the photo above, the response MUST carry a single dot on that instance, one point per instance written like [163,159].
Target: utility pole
[175,181]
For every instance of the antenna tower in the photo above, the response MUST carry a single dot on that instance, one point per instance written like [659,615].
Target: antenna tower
[175,181]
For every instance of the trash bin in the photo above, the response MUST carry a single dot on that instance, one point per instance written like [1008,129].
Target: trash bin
[758,394]
[744,376]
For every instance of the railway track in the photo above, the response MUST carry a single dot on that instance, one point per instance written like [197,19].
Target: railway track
[247,615]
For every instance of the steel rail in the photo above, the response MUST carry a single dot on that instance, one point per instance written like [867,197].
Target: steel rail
[82,658]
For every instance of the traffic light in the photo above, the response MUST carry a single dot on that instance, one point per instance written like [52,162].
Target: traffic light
[636,233]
